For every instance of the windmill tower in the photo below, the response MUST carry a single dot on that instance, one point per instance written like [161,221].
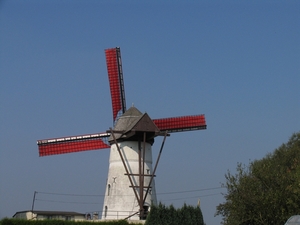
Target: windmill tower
[130,188]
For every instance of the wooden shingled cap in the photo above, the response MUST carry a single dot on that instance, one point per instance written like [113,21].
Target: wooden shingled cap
[132,124]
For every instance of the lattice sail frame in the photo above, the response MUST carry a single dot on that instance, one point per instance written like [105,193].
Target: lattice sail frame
[183,123]
[100,140]
[116,82]
[77,143]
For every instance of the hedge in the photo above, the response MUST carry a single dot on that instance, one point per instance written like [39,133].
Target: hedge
[7,221]
[163,215]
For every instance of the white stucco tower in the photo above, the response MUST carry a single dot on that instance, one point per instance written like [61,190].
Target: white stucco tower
[128,188]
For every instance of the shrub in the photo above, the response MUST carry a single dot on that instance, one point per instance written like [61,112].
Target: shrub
[7,221]
[162,215]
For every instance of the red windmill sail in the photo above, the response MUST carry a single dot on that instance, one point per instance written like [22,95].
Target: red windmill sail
[77,143]
[92,141]
[99,140]
[179,124]
[115,76]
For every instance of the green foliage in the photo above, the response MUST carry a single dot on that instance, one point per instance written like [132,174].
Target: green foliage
[267,191]
[162,215]
[7,221]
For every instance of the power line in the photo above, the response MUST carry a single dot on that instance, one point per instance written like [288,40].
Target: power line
[76,195]
[45,200]
[176,199]
[93,203]
[82,195]
[162,193]
[177,192]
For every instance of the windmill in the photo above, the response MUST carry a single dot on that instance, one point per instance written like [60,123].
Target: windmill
[130,188]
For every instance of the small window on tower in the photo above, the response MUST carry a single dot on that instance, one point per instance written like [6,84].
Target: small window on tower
[105,211]
[108,189]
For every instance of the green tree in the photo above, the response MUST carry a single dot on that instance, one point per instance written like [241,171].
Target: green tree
[267,191]
[162,215]
[172,215]
[198,216]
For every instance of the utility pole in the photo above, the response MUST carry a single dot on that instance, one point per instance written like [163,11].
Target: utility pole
[32,207]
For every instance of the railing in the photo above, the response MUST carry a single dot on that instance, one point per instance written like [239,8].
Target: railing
[112,215]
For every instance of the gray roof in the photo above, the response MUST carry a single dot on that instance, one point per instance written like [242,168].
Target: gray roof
[128,119]
[63,213]
[130,125]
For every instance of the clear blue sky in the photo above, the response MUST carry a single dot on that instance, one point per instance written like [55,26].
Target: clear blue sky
[237,62]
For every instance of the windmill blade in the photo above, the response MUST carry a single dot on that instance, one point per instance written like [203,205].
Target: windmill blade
[115,76]
[78,143]
[183,123]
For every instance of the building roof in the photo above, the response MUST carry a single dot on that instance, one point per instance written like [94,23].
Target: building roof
[42,212]
[128,119]
[130,125]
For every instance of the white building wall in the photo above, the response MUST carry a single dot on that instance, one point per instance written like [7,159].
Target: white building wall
[120,200]
[23,215]
[28,215]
